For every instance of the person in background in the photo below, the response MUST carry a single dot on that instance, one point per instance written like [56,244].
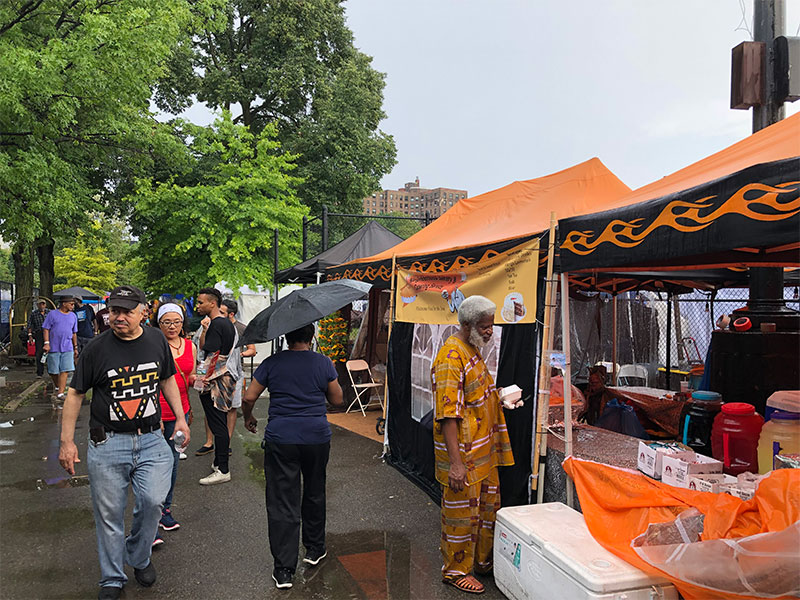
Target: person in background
[470,442]
[229,309]
[184,354]
[216,341]
[597,395]
[101,319]
[297,443]
[85,315]
[60,332]
[35,321]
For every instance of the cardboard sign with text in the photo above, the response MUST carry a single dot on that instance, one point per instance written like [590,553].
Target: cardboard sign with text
[508,280]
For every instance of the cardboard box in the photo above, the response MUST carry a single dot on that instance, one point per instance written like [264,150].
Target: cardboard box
[735,490]
[651,454]
[676,470]
[710,482]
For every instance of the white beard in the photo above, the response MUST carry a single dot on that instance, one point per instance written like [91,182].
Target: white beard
[476,339]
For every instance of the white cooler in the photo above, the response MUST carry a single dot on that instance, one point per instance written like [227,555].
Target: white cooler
[545,551]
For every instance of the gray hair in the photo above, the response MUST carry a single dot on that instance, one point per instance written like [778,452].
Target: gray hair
[474,308]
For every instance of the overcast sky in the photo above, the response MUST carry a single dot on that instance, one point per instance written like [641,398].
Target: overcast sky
[480,93]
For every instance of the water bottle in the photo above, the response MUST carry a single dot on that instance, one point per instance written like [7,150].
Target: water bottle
[43,360]
[179,441]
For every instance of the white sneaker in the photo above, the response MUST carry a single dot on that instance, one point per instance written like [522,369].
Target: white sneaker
[216,476]
[182,456]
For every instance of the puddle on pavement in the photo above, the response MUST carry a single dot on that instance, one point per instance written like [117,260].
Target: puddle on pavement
[363,565]
[255,453]
[55,520]
[51,483]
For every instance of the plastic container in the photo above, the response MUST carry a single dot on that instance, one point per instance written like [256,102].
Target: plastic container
[179,441]
[734,437]
[780,435]
[545,552]
[696,423]
[788,400]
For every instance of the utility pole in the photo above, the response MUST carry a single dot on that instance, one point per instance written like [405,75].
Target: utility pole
[769,21]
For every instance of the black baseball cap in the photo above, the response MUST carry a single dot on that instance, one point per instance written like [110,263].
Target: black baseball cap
[126,296]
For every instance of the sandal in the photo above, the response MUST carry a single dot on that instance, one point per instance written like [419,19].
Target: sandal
[466,583]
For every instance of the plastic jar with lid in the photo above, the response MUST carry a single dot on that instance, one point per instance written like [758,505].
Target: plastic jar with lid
[734,437]
[780,435]
[697,420]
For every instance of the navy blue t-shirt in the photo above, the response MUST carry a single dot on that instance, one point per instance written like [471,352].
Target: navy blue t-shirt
[297,381]
[85,316]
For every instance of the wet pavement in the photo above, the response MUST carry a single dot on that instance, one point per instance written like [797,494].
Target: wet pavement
[383,532]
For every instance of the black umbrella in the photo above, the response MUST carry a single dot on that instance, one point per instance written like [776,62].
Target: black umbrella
[302,307]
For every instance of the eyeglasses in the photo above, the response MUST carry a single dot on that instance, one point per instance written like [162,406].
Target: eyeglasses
[170,323]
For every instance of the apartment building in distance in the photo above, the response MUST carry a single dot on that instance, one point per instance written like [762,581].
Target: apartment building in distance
[413,200]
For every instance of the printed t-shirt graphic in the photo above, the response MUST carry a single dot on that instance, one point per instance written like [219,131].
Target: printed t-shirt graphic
[134,391]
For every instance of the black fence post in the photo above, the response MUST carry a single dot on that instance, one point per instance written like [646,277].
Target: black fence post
[305,238]
[324,227]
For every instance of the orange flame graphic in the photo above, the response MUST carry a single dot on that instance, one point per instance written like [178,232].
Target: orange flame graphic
[686,216]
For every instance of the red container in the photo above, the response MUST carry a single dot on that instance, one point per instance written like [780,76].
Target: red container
[734,437]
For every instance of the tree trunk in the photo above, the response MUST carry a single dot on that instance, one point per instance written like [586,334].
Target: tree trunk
[46,267]
[23,288]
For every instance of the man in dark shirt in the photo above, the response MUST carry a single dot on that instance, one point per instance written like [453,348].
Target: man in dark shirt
[36,334]
[85,315]
[216,341]
[125,368]
[101,321]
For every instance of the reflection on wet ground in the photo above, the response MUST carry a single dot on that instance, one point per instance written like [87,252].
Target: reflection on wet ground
[367,565]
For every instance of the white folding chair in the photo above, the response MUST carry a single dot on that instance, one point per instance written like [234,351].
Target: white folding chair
[632,375]
[363,389]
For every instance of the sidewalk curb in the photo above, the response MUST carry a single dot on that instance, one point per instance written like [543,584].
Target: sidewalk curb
[12,406]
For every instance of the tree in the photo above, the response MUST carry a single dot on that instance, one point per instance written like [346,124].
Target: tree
[74,110]
[86,265]
[215,222]
[405,228]
[294,64]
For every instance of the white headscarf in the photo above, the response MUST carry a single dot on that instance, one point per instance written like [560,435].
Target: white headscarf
[169,307]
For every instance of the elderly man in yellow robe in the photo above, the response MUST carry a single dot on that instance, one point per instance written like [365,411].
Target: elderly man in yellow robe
[470,443]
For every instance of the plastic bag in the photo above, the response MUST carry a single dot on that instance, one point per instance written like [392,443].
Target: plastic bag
[622,419]
[619,505]
[766,565]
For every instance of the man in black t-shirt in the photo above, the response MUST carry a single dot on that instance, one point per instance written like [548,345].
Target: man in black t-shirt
[125,368]
[215,339]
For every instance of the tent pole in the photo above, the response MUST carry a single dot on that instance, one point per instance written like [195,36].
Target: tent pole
[614,337]
[388,342]
[542,404]
[567,379]
[668,372]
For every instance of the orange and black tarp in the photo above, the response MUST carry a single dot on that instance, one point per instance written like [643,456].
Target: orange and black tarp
[736,208]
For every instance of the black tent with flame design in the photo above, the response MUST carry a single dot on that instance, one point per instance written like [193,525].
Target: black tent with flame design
[737,208]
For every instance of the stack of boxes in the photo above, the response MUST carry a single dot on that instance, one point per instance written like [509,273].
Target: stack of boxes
[678,465]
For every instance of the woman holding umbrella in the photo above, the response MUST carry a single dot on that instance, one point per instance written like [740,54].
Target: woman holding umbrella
[296,443]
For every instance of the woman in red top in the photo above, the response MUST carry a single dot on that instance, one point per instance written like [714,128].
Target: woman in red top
[184,353]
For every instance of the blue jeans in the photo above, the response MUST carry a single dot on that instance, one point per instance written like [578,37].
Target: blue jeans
[169,429]
[123,459]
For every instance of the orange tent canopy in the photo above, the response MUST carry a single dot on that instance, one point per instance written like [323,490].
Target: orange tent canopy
[516,210]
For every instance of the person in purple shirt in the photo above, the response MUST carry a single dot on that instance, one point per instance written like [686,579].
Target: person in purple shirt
[60,329]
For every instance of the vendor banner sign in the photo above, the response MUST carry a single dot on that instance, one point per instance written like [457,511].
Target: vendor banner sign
[508,279]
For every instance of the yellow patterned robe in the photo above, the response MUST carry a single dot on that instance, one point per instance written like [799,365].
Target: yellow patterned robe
[463,389]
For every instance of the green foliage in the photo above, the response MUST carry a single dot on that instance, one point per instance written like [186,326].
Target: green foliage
[405,228]
[215,222]
[87,265]
[294,64]
[75,87]
[6,265]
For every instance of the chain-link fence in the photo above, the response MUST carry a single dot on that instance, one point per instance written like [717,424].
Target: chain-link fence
[644,330]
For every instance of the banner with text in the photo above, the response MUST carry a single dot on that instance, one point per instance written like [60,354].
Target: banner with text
[508,280]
